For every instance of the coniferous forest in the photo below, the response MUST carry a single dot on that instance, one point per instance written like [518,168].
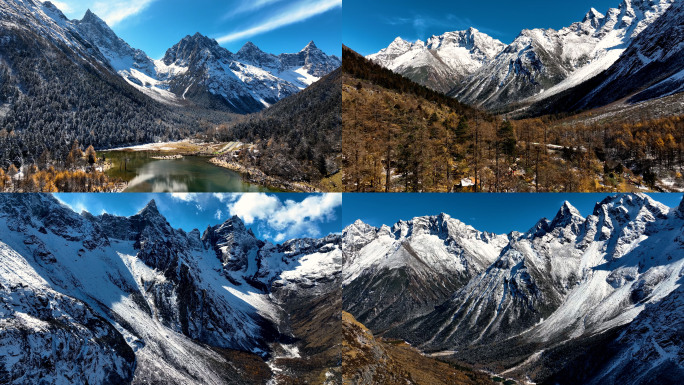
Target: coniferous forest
[399,136]
[299,138]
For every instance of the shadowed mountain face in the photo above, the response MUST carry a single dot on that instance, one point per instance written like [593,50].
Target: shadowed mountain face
[527,304]
[132,300]
[651,67]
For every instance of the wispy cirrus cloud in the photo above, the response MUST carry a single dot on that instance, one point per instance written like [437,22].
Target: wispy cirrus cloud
[116,11]
[296,12]
[422,23]
[111,11]
[249,6]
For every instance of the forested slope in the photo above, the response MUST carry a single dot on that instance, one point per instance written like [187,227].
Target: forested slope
[299,138]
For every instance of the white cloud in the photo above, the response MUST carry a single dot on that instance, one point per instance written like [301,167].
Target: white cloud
[115,11]
[218,214]
[227,197]
[185,197]
[289,219]
[254,206]
[313,208]
[300,11]
[111,11]
[249,6]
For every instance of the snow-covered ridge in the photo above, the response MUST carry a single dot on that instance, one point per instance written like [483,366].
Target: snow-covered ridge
[539,63]
[563,280]
[159,294]
[199,64]
[450,57]
[195,69]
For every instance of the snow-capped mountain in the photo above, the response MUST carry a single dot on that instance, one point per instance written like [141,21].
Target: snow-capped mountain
[130,299]
[132,64]
[542,62]
[442,61]
[49,70]
[196,69]
[538,64]
[651,67]
[391,273]
[565,282]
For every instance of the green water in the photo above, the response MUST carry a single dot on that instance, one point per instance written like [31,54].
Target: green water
[189,174]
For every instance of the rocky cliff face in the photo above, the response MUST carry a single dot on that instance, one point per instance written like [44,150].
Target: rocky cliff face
[134,300]
[565,282]
[651,67]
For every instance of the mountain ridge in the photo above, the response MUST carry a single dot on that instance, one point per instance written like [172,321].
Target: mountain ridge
[538,63]
[173,310]
[563,283]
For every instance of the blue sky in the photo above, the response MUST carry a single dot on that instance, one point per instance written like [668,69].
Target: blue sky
[372,25]
[275,26]
[496,213]
[276,217]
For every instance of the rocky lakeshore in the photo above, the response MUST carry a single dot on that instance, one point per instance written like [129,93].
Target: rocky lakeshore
[256,176]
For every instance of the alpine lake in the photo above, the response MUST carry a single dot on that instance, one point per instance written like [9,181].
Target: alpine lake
[175,167]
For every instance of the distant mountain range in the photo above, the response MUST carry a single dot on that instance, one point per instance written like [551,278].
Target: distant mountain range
[117,300]
[541,63]
[572,300]
[197,68]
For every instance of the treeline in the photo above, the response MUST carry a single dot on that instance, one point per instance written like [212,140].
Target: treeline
[80,171]
[358,67]
[399,141]
[49,99]
[298,138]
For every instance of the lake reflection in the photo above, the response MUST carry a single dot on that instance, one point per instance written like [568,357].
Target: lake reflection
[188,174]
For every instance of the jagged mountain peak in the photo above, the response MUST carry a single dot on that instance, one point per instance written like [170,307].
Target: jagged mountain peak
[310,47]
[49,5]
[566,215]
[680,209]
[252,54]
[249,46]
[630,201]
[200,39]
[441,225]
[360,225]
[233,223]
[90,17]
[593,17]
[149,209]
[593,14]
[195,49]
[399,43]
